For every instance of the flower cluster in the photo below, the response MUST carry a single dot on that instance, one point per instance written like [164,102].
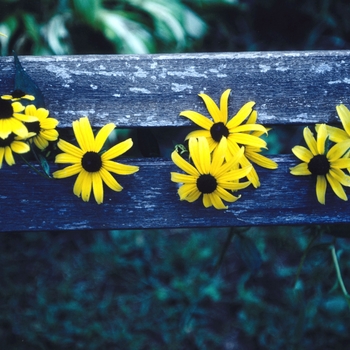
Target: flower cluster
[21,124]
[326,156]
[222,153]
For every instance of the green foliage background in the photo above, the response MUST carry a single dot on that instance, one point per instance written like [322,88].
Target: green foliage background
[173,289]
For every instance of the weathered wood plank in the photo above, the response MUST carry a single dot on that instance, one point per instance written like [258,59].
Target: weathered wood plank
[150,200]
[151,90]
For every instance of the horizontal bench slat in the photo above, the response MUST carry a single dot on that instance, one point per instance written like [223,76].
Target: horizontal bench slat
[150,200]
[151,90]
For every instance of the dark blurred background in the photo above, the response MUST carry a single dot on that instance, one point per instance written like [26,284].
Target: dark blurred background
[173,289]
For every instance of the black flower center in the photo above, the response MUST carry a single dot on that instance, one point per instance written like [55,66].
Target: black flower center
[218,130]
[6,110]
[91,162]
[319,165]
[17,93]
[33,127]
[206,183]
[7,142]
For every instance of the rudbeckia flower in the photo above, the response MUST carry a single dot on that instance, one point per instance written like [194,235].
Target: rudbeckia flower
[44,128]
[209,176]
[323,164]
[11,119]
[219,127]
[92,167]
[10,144]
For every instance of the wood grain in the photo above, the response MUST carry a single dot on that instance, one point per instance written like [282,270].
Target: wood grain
[149,200]
[151,90]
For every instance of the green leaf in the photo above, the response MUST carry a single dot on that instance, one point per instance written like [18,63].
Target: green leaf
[26,84]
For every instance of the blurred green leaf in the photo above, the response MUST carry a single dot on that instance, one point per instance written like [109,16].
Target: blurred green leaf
[26,84]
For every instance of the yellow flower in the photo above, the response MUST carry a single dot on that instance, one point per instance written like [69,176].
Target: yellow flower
[220,127]
[324,165]
[44,128]
[11,119]
[210,176]
[93,168]
[10,144]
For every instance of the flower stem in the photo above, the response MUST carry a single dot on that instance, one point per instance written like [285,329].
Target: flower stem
[339,276]
[44,175]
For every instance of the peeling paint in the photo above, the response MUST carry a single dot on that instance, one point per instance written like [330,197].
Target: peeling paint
[142,90]
[60,72]
[189,72]
[264,68]
[282,69]
[140,73]
[322,68]
[334,82]
[180,87]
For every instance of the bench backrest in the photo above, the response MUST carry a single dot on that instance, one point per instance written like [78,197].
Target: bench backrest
[291,88]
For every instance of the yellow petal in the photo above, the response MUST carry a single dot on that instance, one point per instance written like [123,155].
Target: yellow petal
[109,180]
[242,114]
[321,186]
[216,201]
[67,171]
[204,154]
[321,138]
[97,187]
[83,133]
[183,178]
[340,163]
[183,165]
[20,147]
[117,150]
[198,118]
[246,139]
[9,156]
[344,115]
[338,150]
[249,127]
[86,184]
[302,153]
[340,176]
[49,123]
[224,105]
[226,196]
[310,141]
[335,134]
[253,118]
[188,192]
[102,136]
[206,200]
[233,186]
[2,153]
[121,169]
[40,142]
[198,133]
[219,155]
[67,158]
[261,160]
[337,187]
[212,108]
[69,148]
[300,169]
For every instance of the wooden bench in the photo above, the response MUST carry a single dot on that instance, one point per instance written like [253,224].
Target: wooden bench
[290,89]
